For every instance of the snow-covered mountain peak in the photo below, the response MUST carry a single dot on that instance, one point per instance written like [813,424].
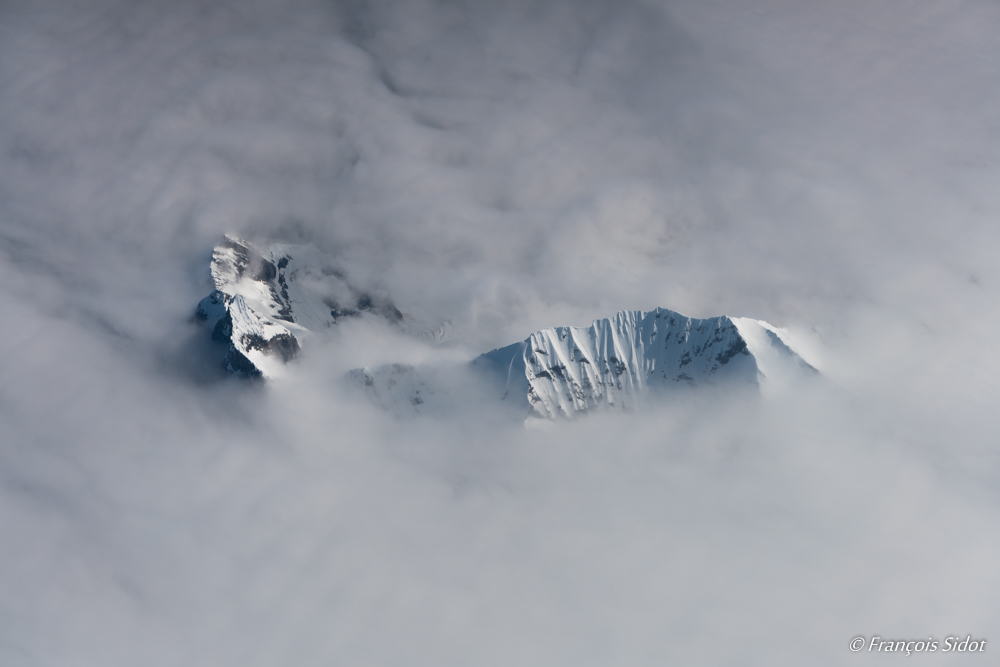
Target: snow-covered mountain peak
[617,363]
[268,299]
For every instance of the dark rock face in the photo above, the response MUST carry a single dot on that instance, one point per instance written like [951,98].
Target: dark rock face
[282,345]
[237,364]
[266,273]
[382,307]
[209,304]
[738,346]
[223,330]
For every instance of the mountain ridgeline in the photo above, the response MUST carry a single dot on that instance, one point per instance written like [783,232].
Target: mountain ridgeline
[268,300]
[615,363]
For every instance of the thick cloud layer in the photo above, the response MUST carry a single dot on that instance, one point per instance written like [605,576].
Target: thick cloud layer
[506,167]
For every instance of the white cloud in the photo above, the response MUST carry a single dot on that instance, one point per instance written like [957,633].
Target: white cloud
[507,167]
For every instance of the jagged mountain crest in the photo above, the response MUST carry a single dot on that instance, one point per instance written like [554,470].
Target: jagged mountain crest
[616,363]
[267,300]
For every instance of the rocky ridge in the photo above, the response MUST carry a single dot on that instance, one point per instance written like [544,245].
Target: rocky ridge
[616,363]
[267,300]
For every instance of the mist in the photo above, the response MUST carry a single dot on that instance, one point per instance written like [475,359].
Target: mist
[504,168]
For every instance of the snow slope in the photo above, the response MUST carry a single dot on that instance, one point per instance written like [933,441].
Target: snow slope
[268,300]
[614,363]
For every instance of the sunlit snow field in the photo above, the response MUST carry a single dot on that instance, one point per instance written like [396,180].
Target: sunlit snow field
[831,168]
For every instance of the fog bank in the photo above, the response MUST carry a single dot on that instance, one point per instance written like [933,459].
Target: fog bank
[504,168]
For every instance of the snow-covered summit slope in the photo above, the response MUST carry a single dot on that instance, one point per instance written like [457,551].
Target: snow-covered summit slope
[615,363]
[267,300]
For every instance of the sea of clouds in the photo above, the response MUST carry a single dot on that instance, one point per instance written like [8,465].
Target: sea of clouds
[505,166]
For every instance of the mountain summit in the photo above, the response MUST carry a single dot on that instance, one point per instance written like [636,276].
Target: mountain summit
[617,361]
[614,363]
[268,299]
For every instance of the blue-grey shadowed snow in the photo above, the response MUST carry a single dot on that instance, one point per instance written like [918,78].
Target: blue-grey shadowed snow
[507,167]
